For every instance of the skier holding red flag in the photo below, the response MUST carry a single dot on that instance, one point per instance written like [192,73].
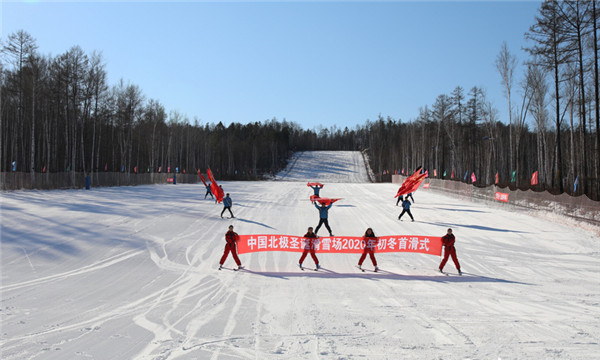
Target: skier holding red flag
[316,187]
[310,244]
[323,214]
[208,192]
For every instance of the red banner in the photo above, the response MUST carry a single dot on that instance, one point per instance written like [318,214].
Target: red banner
[501,196]
[426,186]
[431,245]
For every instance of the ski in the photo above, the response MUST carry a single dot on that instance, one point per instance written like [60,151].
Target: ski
[228,268]
[441,272]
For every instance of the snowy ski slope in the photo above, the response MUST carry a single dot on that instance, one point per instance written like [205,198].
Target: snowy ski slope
[330,166]
[131,273]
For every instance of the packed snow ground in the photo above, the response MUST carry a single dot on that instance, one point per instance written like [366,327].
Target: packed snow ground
[131,272]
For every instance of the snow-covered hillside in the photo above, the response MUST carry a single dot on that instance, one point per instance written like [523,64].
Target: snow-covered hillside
[330,166]
[131,272]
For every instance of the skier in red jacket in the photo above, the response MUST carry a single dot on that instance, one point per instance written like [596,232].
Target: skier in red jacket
[310,244]
[448,243]
[232,238]
[370,241]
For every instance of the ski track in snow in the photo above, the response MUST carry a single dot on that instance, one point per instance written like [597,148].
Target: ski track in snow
[122,273]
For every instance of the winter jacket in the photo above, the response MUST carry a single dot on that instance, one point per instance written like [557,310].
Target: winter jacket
[406,204]
[323,210]
[448,240]
[227,202]
[231,237]
[316,189]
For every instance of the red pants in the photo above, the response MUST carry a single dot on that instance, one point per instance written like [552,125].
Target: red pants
[450,251]
[233,249]
[312,254]
[364,255]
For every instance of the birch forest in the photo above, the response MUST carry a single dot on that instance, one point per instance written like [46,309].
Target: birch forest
[60,114]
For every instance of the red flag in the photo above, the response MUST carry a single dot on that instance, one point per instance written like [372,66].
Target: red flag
[105,166]
[496,179]
[534,178]
[314,184]
[135,169]
[411,184]
[452,176]
[473,178]
[44,169]
[216,189]
[323,201]
[202,178]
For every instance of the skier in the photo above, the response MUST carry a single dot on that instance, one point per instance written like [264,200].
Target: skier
[406,209]
[370,241]
[220,190]
[448,243]
[227,205]
[310,244]
[323,213]
[232,238]
[400,198]
[208,191]
[316,189]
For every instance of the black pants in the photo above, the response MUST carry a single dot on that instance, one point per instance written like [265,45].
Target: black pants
[405,211]
[321,222]
[400,198]
[227,208]
[208,192]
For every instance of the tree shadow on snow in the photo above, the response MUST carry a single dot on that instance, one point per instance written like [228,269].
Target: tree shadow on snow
[384,275]
[255,222]
[476,227]
[462,210]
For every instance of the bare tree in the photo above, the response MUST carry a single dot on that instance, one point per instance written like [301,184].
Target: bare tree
[550,52]
[506,64]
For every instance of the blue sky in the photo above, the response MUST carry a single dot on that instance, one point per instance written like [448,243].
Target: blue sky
[314,63]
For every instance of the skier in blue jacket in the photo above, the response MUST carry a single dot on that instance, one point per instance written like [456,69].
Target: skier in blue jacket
[406,209]
[227,202]
[316,189]
[208,192]
[323,213]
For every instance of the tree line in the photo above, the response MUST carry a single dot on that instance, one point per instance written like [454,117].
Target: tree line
[59,114]
[553,116]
